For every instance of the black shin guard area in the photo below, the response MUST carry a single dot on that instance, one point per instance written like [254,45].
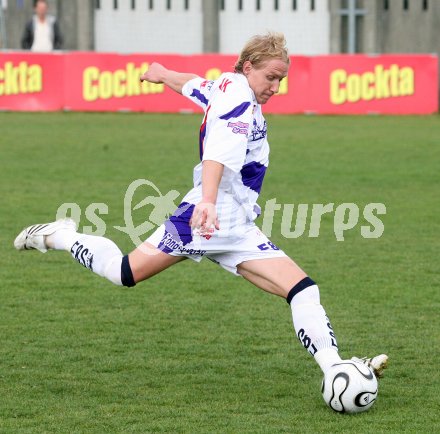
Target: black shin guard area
[302,284]
[126,274]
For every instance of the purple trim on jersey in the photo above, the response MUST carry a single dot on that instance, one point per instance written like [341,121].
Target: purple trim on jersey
[202,133]
[237,111]
[201,140]
[199,95]
[252,175]
[177,228]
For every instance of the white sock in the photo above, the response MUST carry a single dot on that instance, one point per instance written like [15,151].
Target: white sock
[313,328]
[62,239]
[98,254]
[326,358]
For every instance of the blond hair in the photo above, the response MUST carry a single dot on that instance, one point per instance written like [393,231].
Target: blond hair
[261,48]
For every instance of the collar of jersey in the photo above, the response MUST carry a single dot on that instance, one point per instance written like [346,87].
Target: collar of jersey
[244,80]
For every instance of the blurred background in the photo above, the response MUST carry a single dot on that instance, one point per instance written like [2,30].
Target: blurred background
[222,26]
[194,27]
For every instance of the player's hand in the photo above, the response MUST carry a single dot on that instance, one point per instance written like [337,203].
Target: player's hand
[204,217]
[154,74]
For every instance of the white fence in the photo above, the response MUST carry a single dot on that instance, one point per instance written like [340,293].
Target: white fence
[176,26]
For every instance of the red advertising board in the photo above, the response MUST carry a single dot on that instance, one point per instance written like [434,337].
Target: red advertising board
[110,82]
[357,84]
[334,84]
[31,82]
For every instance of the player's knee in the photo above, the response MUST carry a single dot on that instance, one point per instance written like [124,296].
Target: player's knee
[126,273]
[306,291]
[118,271]
[112,271]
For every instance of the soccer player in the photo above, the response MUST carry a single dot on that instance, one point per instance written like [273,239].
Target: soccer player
[216,217]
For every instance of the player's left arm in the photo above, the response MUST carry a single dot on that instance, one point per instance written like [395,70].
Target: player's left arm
[175,80]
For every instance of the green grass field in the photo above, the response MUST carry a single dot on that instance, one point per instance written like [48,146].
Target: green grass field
[195,349]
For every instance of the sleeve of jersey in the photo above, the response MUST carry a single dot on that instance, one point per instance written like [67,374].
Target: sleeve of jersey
[228,125]
[198,91]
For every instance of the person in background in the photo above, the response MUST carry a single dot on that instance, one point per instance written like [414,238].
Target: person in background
[42,32]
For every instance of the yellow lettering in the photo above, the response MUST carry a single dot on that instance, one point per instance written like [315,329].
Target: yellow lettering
[133,82]
[367,90]
[119,86]
[394,80]
[22,77]
[90,90]
[406,81]
[353,88]
[35,79]
[151,88]
[105,85]
[12,79]
[382,83]
[337,93]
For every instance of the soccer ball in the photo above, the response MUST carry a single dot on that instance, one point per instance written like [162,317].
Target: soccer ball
[349,387]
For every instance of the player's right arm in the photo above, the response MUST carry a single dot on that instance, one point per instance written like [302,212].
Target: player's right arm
[224,145]
[205,214]
[157,73]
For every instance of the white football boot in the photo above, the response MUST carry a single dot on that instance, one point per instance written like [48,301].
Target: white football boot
[377,363]
[34,237]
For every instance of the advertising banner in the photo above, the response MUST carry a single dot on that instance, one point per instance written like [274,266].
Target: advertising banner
[110,82]
[31,82]
[360,84]
[334,84]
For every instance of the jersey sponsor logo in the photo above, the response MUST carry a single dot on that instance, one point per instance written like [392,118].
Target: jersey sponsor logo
[169,243]
[224,84]
[239,127]
[258,131]
[206,83]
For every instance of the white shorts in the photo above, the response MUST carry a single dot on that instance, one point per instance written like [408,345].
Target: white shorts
[226,247]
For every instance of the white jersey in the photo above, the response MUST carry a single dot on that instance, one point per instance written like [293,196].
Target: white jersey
[233,133]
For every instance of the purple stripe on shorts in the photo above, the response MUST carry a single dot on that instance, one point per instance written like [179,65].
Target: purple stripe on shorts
[252,175]
[177,229]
